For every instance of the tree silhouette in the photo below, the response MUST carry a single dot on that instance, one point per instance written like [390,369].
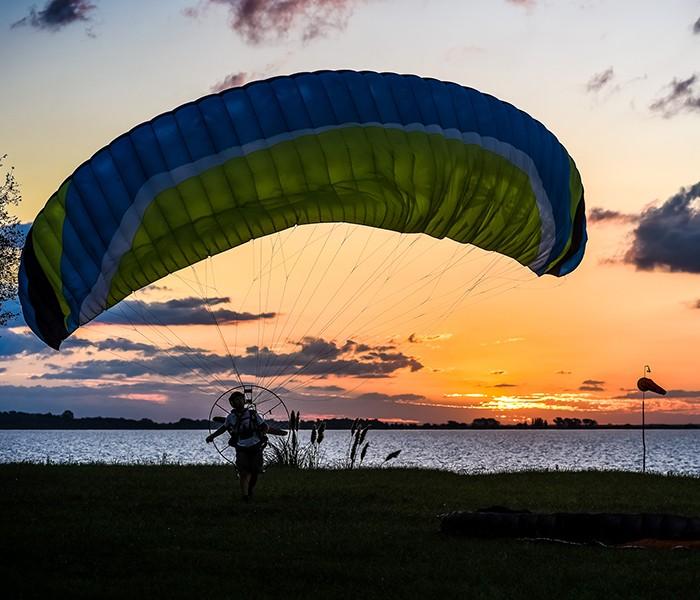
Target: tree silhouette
[10,241]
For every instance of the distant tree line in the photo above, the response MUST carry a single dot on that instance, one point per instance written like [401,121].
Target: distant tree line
[559,422]
[67,420]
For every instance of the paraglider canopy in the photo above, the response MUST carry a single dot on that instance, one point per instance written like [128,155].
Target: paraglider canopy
[395,152]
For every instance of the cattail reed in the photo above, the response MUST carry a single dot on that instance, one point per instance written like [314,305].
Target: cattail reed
[364,452]
[353,450]
[363,433]
[392,455]
[291,451]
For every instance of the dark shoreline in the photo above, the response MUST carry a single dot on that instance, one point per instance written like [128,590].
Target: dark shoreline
[13,420]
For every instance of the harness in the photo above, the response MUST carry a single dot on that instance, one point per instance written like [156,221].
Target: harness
[244,433]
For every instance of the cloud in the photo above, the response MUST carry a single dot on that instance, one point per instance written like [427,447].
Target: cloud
[668,236]
[505,385]
[564,401]
[497,372]
[599,215]
[377,397]
[637,395]
[57,14]
[262,20]
[696,27]
[19,344]
[155,287]
[123,345]
[682,97]
[313,357]
[600,80]
[159,400]
[233,80]
[592,385]
[326,388]
[415,338]
[182,311]
[16,344]
[562,373]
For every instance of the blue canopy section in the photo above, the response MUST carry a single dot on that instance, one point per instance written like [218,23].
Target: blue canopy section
[104,187]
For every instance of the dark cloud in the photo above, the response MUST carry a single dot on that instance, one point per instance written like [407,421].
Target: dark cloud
[416,338]
[123,345]
[155,287]
[16,344]
[20,344]
[696,27]
[118,368]
[497,372]
[505,385]
[159,401]
[231,80]
[333,389]
[314,357]
[600,80]
[162,401]
[682,97]
[598,215]
[563,373]
[669,394]
[261,20]
[377,397]
[668,236]
[183,311]
[57,14]
[592,385]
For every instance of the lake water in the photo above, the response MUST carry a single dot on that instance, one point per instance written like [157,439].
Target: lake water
[462,451]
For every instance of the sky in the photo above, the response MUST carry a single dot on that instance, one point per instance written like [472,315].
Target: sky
[441,332]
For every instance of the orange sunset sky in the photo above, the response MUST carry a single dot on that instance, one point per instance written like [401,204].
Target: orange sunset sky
[442,331]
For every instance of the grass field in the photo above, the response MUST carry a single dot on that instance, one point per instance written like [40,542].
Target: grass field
[181,532]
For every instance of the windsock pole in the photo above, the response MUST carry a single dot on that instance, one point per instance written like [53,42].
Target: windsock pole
[644,441]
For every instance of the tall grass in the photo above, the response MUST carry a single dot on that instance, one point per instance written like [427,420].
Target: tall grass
[358,433]
[290,452]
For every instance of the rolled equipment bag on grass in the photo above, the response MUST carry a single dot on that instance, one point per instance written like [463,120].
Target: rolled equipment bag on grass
[606,528]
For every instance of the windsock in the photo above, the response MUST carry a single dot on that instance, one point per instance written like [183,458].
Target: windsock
[645,384]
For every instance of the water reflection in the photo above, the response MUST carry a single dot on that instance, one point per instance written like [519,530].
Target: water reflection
[463,451]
